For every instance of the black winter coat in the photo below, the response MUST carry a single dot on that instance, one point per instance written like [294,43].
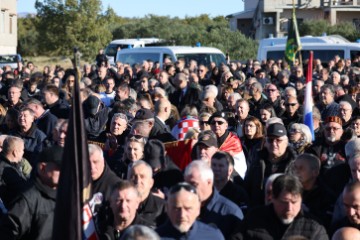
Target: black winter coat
[32,215]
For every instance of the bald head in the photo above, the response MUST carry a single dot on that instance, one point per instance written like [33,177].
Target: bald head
[346,233]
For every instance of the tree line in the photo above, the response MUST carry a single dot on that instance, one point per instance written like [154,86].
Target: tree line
[60,25]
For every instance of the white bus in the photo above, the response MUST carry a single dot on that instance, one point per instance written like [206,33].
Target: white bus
[324,48]
[202,55]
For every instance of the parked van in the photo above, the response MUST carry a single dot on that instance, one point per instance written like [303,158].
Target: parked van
[111,49]
[324,48]
[202,55]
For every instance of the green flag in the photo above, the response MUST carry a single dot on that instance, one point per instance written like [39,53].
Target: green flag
[293,44]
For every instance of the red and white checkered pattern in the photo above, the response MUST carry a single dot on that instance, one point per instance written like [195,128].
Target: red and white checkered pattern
[179,131]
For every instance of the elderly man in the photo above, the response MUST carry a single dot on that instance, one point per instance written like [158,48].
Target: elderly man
[345,113]
[346,233]
[31,216]
[103,178]
[162,113]
[228,141]
[330,149]
[283,217]
[318,198]
[205,147]
[124,202]
[275,157]
[12,179]
[151,208]
[183,208]
[45,120]
[257,99]
[242,112]
[222,164]
[328,106]
[13,94]
[215,209]
[184,95]
[35,140]
[143,122]
[273,95]
[351,201]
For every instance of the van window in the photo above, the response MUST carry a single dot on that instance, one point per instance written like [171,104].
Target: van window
[324,55]
[111,49]
[354,54]
[132,58]
[202,58]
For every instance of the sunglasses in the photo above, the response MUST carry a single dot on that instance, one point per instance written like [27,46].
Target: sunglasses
[204,123]
[137,138]
[183,185]
[217,122]
[291,104]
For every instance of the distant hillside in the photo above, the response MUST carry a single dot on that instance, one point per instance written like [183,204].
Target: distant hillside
[25,14]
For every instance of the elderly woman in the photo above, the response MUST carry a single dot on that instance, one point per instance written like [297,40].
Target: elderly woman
[300,137]
[253,137]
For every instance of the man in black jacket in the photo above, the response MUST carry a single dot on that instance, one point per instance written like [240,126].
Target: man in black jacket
[32,214]
[151,208]
[283,217]
[12,179]
[57,106]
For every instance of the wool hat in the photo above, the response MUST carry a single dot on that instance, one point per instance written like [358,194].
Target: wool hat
[52,154]
[91,104]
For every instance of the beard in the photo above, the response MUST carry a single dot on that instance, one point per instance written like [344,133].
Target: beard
[286,221]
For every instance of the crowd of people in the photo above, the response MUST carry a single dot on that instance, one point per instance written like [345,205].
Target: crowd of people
[181,150]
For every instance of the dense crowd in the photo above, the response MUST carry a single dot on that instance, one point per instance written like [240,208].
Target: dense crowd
[187,151]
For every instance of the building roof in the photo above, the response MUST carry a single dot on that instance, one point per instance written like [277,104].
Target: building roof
[243,15]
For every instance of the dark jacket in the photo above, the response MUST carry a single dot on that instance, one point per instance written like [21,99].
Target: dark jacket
[46,123]
[256,105]
[111,234]
[222,213]
[262,223]
[191,97]
[32,215]
[236,194]
[152,209]
[12,180]
[161,132]
[95,125]
[35,141]
[60,109]
[198,231]
[260,169]
[105,182]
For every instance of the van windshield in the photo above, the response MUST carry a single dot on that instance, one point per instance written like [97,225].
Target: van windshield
[323,55]
[132,58]
[202,58]
[111,49]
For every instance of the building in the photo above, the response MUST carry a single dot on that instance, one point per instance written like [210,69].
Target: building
[263,18]
[8,26]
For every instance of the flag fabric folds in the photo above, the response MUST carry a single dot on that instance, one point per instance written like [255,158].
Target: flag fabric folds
[308,101]
[73,218]
[293,44]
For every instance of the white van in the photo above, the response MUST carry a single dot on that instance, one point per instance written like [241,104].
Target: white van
[202,55]
[324,48]
[111,49]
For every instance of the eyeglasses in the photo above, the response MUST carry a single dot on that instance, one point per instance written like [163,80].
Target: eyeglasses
[183,185]
[271,90]
[290,104]
[332,128]
[203,123]
[217,122]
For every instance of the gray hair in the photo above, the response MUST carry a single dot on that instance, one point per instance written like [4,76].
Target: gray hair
[236,96]
[141,162]
[206,173]
[95,148]
[345,103]
[212,88]
[133,94]
[305,131]
[140,232]
[352,147]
